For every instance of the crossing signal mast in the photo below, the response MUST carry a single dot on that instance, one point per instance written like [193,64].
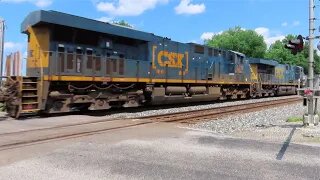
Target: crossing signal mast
[310,93]
[295,45]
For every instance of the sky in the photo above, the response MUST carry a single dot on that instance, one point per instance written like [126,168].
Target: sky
[180,20]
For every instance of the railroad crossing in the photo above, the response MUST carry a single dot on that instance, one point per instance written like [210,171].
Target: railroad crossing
[99,100]
[164,143]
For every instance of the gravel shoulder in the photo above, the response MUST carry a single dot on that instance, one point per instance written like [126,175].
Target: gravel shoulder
[266,125]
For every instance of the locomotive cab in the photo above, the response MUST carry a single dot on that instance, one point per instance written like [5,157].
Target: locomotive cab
[238,66]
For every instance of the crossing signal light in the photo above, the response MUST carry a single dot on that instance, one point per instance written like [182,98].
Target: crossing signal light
[295,45]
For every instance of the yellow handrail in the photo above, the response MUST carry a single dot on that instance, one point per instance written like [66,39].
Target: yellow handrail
[254,74]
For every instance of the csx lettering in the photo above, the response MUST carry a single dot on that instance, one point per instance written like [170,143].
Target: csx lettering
[172,59]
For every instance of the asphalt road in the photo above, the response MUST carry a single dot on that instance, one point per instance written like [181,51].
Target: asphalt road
[161,151]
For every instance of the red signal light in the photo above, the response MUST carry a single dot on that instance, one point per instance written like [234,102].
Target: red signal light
[295,45]
[308,92]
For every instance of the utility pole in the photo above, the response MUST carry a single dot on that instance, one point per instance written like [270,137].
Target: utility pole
[311,44]
[2,28]
[311,118]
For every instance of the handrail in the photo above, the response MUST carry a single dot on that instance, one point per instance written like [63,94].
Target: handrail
[40,93]
[254,74]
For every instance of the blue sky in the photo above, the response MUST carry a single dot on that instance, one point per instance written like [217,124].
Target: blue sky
[181,20]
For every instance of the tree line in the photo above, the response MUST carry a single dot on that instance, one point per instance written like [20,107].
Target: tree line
[250,43]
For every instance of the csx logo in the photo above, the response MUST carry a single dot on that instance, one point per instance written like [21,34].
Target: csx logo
[170,59]
[165,58]
[162,59]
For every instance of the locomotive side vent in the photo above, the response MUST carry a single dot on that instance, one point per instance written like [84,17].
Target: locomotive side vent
[121,66]
[114,65]
[61,58]
[70,59]
[98,63]
[108,68]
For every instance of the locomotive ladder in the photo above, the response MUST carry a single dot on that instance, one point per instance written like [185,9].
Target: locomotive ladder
[29,93]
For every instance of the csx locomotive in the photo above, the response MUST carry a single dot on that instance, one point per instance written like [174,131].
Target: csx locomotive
[75,63]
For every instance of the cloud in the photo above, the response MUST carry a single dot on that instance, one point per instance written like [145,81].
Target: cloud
[296,23]
[194,41]
[284,24]
[105,19]
[38,3]
[268,36]
[43,3]
[262,31]
[209,35]
[12,46]
[186,7]
[128,7]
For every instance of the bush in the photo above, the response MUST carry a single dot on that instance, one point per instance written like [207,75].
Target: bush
[2,107]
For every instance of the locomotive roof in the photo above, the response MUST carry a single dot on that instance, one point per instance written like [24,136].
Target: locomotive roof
[54,17]
[263,61]
[238,53]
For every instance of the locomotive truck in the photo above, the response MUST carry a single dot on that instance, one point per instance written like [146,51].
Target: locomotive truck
[75,63]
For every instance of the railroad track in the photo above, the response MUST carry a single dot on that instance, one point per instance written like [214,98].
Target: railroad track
[68,131]
[210,114]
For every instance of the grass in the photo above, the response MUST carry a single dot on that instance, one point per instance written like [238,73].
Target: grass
[2,107]
[295,119]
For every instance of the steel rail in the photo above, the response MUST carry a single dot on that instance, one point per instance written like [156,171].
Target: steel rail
[202,113]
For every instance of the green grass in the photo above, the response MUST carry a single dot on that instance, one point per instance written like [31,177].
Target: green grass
[2,107]
[295,119]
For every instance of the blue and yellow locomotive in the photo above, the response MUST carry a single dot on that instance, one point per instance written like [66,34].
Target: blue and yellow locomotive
[76,63]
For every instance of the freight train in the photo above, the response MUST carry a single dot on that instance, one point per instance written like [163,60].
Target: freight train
[75,64]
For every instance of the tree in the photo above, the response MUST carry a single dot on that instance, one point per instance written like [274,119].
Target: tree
[123,23]
[247,42]
[278,52]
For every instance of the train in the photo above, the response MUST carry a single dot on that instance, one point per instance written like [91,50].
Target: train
[75,63]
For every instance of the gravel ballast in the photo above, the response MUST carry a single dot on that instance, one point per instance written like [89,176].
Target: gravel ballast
[260,119]
[191,108]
